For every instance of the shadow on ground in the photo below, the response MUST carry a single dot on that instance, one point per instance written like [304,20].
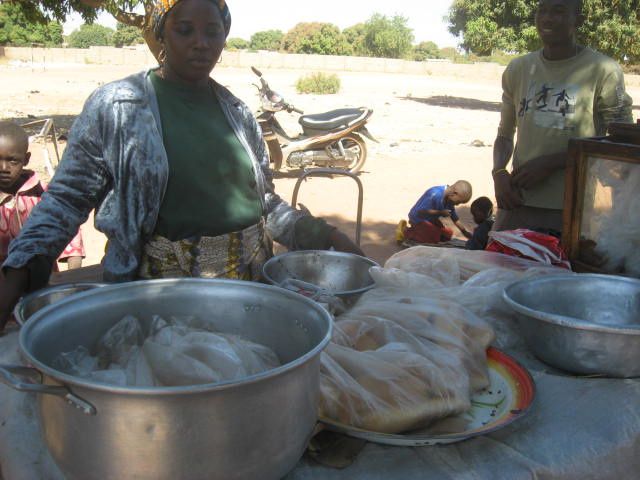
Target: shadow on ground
[378,239]
[61,123]
[457,102]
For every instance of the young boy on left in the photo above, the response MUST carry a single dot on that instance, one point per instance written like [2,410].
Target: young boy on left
[425,224]
[20,192]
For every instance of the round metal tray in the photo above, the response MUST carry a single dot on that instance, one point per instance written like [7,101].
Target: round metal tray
[506,399]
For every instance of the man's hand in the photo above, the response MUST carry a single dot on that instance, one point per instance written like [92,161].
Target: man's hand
[13,284]
[507,195]
[341,243]
[538,169]
[444,213]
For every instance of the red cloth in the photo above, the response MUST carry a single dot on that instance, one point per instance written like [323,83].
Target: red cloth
[529,244]
[427,232]
[15,209]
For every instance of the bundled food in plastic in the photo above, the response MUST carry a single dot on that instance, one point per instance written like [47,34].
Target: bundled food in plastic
[174,352]
[452,266]
[387,391]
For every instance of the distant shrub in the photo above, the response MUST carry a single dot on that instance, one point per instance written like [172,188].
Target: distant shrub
[237,44]
[319,83]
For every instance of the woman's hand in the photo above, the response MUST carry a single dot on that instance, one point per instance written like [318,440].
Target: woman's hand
[13,284]
[341,243]
[507,196]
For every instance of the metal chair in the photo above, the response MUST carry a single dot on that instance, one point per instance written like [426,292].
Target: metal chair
[47,131]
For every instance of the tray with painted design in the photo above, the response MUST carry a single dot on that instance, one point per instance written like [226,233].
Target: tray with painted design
[508,398]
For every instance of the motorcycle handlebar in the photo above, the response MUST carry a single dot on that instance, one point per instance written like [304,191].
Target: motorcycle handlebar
[256,71]
[291,108]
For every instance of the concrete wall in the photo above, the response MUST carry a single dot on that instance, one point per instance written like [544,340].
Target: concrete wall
[241,59]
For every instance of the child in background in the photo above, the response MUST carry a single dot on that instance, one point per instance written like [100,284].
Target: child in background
[482,212]
[425,224]
[20,191]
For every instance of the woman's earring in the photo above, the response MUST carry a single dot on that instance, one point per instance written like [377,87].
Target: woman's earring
[162,57]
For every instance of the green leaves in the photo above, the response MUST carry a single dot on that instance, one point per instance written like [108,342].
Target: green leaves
[612,27]
[16,28]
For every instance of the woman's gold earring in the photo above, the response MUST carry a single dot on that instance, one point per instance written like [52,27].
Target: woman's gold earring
[162,57]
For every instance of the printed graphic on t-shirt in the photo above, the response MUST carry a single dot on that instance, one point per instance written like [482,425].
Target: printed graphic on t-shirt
[552,106]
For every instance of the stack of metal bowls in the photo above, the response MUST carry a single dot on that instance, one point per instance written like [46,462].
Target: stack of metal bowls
[587,323]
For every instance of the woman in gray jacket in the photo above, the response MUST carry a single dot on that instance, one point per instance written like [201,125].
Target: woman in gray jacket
[176,169]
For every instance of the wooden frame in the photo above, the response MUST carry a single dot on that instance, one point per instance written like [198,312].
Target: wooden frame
[580,151]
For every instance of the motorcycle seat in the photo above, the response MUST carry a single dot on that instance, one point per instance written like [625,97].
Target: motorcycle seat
[340,118]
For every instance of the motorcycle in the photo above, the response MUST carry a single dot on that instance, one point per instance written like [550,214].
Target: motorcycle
[328,140]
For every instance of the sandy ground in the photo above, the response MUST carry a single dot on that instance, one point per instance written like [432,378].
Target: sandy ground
[433,129]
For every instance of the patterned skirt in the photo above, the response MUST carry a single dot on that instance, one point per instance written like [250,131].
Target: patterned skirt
[238,255]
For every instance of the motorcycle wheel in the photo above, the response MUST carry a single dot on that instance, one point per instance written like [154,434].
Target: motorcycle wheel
[356,145]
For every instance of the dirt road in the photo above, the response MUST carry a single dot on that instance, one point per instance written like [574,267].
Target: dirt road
[433,129]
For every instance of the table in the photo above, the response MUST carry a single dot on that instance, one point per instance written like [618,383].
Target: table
[578,428]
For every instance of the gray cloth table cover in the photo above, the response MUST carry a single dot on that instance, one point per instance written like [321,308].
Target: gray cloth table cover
[578,428]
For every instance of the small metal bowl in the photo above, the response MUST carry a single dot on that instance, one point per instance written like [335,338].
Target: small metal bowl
[31,303]
[586,324]
[345,275]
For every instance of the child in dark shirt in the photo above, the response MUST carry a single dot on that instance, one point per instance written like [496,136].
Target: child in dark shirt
[482,212]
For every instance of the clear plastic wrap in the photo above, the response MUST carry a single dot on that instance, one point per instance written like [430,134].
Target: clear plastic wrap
[389,390]
[177,352]
[452,266]
[399,361]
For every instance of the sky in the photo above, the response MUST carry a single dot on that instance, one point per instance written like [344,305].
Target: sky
[250,16]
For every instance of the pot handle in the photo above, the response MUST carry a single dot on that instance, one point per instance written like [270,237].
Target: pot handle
[26,379]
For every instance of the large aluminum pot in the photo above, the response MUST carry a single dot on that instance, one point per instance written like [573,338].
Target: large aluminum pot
[37,300]
[588,324]
[256,428]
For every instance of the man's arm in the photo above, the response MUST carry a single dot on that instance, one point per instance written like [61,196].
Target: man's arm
[507,195]
[538,169]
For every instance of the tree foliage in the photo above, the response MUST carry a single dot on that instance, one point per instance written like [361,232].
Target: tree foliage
[388,37]
[122,10]
[354,38]
[315,37]
[266,40]
[612,27]
[426,50]
[91,36]
[126,35]
[236,43]
[16,28]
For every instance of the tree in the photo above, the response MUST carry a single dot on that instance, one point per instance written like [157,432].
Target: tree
[17,29]
[485,25]
[426,50]
[237,44]
[315,37]
[388,37]
[266,40]
[126,35]
[122,10]
[91,36]
[354,38]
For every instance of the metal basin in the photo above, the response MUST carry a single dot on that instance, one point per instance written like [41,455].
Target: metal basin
[35,301]
[341,274]
[255,428]
[587,324]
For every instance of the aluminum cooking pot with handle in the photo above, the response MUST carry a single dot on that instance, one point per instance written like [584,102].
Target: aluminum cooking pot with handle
[254,428]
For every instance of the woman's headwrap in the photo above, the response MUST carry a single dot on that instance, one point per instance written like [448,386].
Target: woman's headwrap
[162,8]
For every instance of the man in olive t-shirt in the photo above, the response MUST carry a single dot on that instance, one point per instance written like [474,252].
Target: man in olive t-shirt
[549,96]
